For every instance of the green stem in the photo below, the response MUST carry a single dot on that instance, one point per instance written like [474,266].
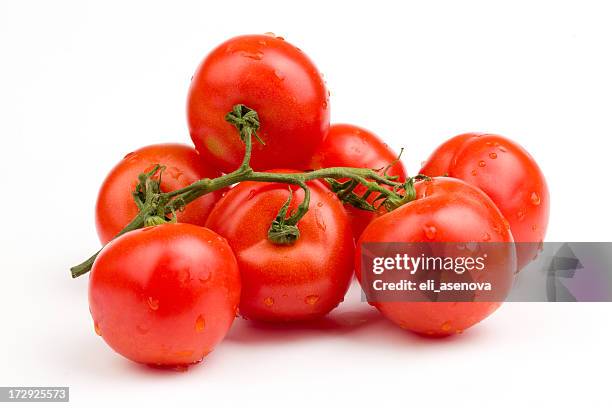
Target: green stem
[158,204]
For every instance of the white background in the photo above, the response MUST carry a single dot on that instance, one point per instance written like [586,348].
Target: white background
[83,83]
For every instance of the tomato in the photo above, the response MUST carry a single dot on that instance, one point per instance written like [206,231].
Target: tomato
[508,174]
[165,295]
[272,77]
[446,210]
[351,146]
[115,207]
[302,281]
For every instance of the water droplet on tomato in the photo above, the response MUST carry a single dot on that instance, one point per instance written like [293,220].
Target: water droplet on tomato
[482,163]
[174,172]
[534,227]
[204,278]
[200,324]
[129,156]
[268,301]
[279,74]
[97,329]
[255,55]
[251,194]
[142,328]
[430,231]
[325,104]
[153,303]
[502,149]
[486,236]
[446,326]
[311,299]
[506,224]
[270,34]
[493,155]
[474,172]
[319,220]
[458,331]
[535,198]
[320,204]
[520,215]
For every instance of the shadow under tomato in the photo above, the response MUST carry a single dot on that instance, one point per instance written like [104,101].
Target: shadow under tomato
[338,323]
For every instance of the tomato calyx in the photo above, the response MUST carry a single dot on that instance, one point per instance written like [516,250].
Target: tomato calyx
[154,205]
[284,230]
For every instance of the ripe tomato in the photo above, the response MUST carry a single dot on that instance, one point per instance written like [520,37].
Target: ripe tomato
[352,146]
[165,295]
[446,210]
[271,76]
[115,207]
[302,281]
[508,174]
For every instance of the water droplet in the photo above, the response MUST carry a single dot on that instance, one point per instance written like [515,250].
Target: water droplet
[153,303]
[489,143]
[142,328]
[535,198]
[474,172]
[268,301]
[270,34]
[204,278]
[319,220]
[486,236]
[493,155]
[183,275]
[430,231]
[320,204]
[458,331]
[446,326]
[311,299]
[251,194]
[482,163]
[325,104]
[278,37]
[97,329]
[256,55]
[520,215]
[502,149]
[174,172]
[262,42]
[200,324]
[129,156]
[279,74]
[534,227]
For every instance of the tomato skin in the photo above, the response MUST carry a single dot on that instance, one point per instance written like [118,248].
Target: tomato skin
[457,212]
[508,174]
[352,146]
[165,295]
[271,76]
[286,283]
[115,206]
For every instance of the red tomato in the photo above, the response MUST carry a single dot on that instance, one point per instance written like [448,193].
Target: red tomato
[165,295]
[302,281]
[271,76]
[446,210]
[508,174]
[352,146]
[115,207]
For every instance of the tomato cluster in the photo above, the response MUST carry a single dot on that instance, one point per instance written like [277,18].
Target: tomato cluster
[167,293]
